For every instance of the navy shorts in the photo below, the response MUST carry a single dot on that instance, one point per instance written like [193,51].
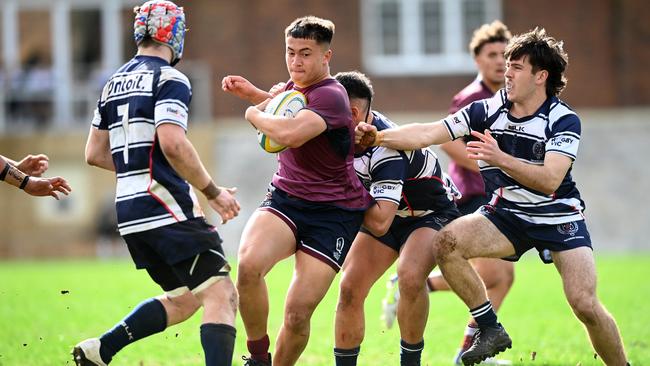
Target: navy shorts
[525,235]
[323,231]
[185,254]
[402,227]
[471,204]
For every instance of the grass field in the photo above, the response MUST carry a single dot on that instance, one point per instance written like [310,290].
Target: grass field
[46,307]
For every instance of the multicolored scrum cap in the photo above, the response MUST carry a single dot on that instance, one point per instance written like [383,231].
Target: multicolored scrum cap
[163,22]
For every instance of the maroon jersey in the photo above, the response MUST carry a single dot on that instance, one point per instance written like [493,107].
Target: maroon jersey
[469,183]
[322,169]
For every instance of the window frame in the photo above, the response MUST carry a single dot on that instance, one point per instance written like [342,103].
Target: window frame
[411,59]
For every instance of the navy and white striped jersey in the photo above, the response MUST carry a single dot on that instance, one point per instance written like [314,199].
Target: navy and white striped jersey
[554,128]
[143,94]
[411,179]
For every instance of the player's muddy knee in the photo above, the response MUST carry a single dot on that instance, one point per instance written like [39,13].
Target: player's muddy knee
[348,296]
[444,245]
[247,274]
[297,321]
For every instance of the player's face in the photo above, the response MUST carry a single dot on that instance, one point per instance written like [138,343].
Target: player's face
[491,63]
[307,61]
[520,80]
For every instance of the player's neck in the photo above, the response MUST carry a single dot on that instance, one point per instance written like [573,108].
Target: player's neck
[156,51]
[529,105]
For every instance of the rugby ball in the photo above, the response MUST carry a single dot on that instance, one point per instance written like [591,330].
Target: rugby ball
[286,104]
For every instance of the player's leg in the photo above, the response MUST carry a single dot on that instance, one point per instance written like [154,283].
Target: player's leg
[266,240]
[473,236]
[367,260]
[311,280]
[415,263]
[578,272]
[148,317]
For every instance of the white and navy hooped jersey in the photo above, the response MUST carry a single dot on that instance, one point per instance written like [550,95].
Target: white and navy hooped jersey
[143,94]
[411,179]
[554,128]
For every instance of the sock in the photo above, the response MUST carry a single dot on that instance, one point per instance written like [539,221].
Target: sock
[346,357]
[470,330]
[259,349]
[410,354]
[148,318]
[218,341]
[484,315]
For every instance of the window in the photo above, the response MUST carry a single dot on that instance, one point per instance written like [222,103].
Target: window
[422,37]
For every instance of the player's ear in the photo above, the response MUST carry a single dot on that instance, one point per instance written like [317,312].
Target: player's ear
[541,76]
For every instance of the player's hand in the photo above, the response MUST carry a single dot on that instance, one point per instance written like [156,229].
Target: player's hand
[225,204]
[365,134]
[486,149]
[277,89]
[47,187]
[33,165]
[239,87]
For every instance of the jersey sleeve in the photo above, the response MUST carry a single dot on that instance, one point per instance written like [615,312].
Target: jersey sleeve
[565,136]
[98,122]
[174,96]
[332,104]
[473,117]
[388,169]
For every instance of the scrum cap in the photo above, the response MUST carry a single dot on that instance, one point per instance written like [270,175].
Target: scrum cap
[163,22]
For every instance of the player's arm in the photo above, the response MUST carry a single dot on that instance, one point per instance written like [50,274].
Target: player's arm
[544,178]
[182,156]
[32,185]
[457,151]
[406,137]
[244,89]
[287,131]
[379,217]
[98,149]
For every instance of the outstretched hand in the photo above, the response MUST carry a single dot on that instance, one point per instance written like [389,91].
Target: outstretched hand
[365,134]
[47,187]
[33,165]
[486,149]
[225,204]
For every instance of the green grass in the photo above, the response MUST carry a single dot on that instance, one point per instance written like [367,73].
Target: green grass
[39,324]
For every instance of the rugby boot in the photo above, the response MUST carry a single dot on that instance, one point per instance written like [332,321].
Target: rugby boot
[252,362]
[86,353]
[487,342]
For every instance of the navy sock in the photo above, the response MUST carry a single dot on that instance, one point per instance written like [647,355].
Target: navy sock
[346,357]
[218,341]
[484,315]
[410,354]
[148,318]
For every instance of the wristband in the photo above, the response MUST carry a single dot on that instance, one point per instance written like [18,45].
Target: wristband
[3,174]
[211,191]
[24,182]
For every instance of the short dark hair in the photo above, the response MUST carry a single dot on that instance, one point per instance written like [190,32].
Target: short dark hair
[544,53]
[311,27]
[488,33]
[356,84]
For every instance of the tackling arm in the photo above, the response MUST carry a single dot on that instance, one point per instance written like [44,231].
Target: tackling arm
[406,137]
[379,217]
